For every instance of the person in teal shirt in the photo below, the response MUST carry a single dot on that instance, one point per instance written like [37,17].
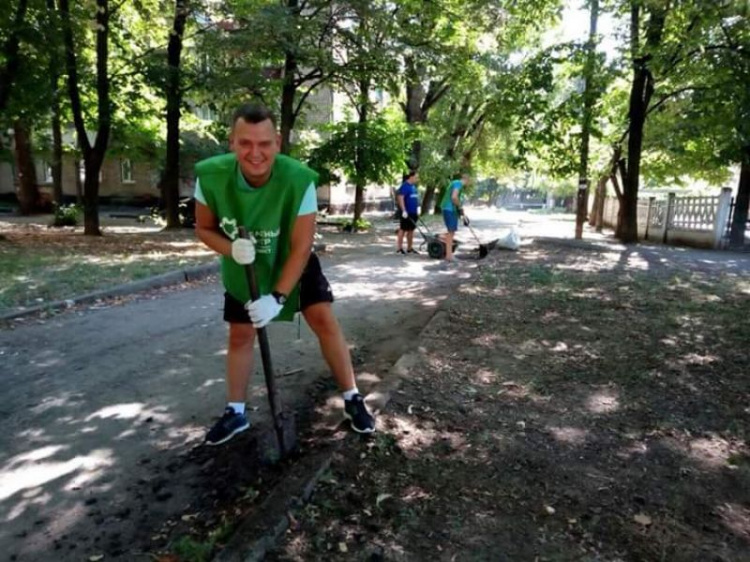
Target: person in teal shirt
[273,197]
[451,205]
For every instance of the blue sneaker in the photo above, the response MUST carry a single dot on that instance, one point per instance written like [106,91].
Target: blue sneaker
[229,425]
[355,410]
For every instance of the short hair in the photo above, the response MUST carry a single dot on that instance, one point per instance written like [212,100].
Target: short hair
[410,174]
[253,113]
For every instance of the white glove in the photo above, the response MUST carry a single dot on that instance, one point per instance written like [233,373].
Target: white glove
[243,251]
[404,215]
[263,310]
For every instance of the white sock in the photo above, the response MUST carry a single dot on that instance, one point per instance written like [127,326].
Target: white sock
[238,407]
[349,394]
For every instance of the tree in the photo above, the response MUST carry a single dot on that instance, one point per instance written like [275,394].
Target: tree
[93,155]
[170,182]
[366,152]
[10,53]
[588,106]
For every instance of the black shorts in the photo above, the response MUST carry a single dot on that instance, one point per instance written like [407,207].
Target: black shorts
[409,224]
[314,288]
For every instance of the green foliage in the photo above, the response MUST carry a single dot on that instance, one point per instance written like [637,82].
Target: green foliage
[67,215]
[373,152]
[358,225]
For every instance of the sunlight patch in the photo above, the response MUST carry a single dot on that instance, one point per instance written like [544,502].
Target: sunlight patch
[713,451]
[736,518]
[119,411]
[570,435]
[33,475]
[604,401]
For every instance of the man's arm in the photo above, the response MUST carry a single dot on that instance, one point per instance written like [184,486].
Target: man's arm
[207,230]
[303,235]
[401,203]
[455,198]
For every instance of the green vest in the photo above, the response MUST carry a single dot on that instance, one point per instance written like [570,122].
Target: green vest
[268,213]
[446,204]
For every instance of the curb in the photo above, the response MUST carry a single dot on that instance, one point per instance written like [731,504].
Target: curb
[238,549]
[158,281]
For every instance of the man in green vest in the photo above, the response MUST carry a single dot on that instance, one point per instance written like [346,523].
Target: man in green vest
[274,198]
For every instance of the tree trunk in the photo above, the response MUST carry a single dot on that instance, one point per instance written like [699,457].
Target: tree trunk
[288,90]
[93,156]
[54,76]
[11,54]
[415,97]
[427,198]
[288,93]
[28,190]
[641,91]
[588,105]
[170,183]
[741,203]
[361,152]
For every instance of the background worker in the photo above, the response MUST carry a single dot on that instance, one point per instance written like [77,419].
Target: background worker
[408,202]
[452,210]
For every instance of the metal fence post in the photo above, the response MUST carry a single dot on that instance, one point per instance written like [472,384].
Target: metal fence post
[722,216]
[649,215]
[668,217]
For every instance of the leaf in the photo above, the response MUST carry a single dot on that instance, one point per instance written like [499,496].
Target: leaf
[96,558]
[382,498]
[342,547]
[642,519]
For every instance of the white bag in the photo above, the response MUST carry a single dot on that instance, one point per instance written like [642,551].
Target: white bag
[511,241]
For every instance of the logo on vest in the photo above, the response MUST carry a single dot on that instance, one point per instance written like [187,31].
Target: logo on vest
[229,226]
[265,240]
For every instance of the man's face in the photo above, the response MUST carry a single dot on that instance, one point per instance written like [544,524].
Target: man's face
[255,145]
[415,179]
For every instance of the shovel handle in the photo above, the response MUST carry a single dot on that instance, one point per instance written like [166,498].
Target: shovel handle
[265,355]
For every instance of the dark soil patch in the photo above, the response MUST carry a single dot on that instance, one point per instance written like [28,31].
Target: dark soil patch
[571,404]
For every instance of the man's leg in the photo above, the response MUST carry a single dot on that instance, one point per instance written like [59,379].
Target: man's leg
[335,350]
[239,367]
[400,241]
[323,323]
[449,246]
[239,361]
[410,241]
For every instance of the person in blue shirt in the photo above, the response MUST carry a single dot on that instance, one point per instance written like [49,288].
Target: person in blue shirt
[452,209]
[408,203]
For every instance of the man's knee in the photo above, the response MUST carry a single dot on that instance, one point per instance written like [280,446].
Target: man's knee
[321,319]
[241,335]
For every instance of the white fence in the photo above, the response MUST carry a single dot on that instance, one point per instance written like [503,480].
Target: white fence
[693,221]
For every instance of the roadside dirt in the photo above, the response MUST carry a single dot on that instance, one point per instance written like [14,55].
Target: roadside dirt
[572,403]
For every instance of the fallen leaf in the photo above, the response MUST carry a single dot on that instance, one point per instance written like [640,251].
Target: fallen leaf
[96,558]
[642,519]
[342,547]
[549,510]
[381,498]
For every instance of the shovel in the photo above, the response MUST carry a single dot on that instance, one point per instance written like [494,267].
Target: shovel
[484,249]
[283,422]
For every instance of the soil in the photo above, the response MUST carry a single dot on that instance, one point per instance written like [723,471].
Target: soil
[570,403]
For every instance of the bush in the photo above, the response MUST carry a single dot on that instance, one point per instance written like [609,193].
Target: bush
[67,215]
[361,224]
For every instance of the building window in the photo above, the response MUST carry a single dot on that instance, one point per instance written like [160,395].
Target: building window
[47,171]
[126,170]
